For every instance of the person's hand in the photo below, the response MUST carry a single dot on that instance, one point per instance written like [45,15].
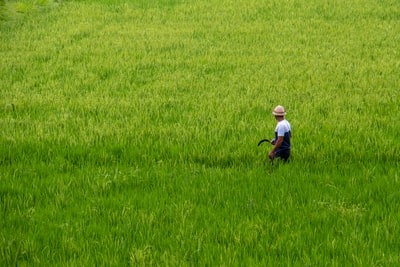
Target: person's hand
[271,155]
[273,141]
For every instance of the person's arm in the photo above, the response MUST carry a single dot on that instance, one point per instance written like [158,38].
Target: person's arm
[278,143]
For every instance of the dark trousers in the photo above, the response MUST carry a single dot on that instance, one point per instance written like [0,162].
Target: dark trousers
[283,154]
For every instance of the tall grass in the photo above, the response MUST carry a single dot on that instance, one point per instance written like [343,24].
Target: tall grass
[129,134]
[11,10]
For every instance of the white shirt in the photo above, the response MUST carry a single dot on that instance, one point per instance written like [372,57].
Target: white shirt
[282,127]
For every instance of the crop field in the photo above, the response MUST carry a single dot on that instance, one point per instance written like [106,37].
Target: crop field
[129,131]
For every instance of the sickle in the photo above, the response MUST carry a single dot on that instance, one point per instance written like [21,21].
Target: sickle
[262,141]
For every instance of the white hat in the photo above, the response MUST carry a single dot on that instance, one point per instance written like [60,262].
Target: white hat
[279,111]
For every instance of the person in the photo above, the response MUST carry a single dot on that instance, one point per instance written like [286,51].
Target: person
[283,134]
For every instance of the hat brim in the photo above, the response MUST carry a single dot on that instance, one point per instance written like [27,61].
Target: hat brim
[279,114]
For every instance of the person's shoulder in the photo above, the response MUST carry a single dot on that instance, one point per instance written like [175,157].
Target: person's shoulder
[285,123]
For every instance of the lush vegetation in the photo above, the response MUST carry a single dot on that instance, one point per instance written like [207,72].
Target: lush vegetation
[129,133]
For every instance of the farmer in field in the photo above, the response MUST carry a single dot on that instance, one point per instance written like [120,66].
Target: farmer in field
[283,135]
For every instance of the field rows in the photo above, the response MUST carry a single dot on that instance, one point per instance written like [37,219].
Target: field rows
[129,133]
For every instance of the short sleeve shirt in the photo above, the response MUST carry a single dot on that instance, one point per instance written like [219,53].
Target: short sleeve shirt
[283,129]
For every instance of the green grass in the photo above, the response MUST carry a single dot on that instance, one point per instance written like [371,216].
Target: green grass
[129,133]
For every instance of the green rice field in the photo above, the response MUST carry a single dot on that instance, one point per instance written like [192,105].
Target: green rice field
[129,131]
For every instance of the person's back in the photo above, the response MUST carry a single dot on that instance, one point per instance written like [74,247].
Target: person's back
[283,129]
[283,134]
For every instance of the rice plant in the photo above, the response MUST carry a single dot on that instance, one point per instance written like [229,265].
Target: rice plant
[129,133]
